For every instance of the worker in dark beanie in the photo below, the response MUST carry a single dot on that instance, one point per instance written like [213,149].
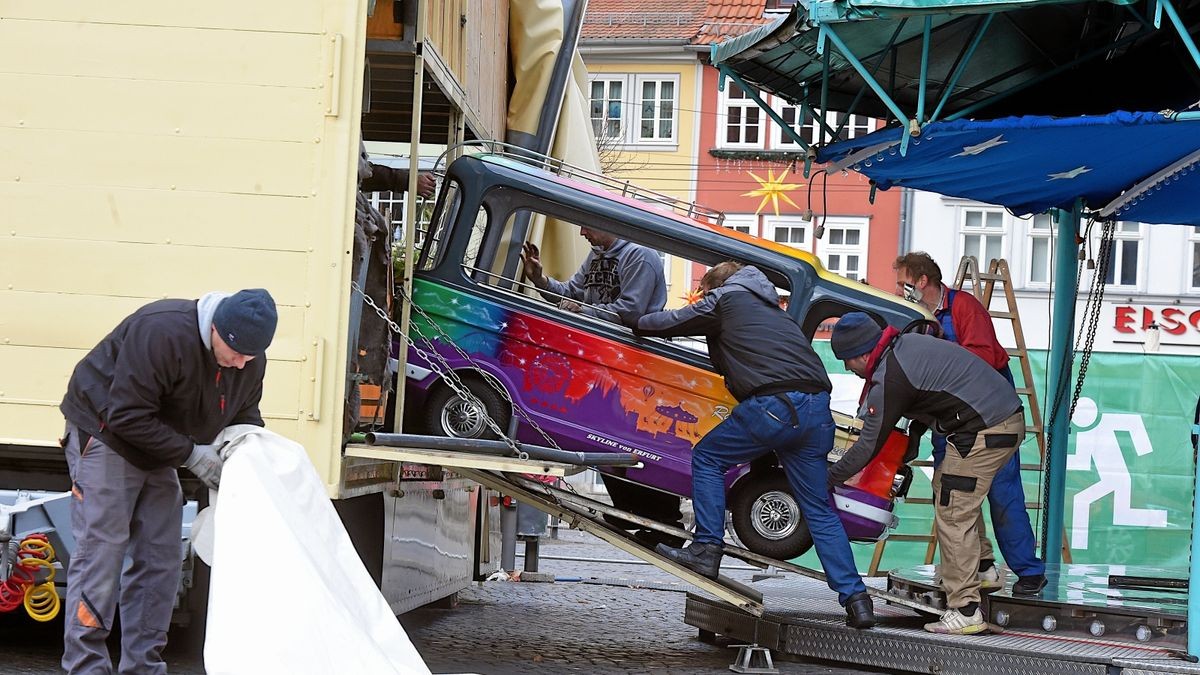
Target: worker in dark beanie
[936,384]
[149,398]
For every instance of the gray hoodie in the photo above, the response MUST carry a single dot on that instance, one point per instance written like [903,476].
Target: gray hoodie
[626,278]
[757,346]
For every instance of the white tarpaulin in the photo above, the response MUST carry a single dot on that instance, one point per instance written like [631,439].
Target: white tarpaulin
[289,592]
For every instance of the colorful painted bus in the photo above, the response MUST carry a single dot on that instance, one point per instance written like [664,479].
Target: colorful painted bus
[584,383]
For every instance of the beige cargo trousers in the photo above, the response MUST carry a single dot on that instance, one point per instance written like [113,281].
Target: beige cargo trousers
[960,485]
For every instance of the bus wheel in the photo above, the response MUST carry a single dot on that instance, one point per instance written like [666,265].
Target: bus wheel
[766,517]
[448,414]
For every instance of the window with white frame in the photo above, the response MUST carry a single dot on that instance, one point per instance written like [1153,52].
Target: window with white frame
[634,109]
[742,119]
[853,127]
[983,234]
[1194,246]
[656,103]
[1041,243]
[608,108]
[1123,257]
[394,207]
[791,115]
[789,230]
[844,248]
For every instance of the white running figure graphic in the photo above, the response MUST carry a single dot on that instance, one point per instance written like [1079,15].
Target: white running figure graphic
[1099,445]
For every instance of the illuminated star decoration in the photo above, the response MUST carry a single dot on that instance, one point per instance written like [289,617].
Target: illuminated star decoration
[692,297]
[772,190]
[1067,175]
[977,149]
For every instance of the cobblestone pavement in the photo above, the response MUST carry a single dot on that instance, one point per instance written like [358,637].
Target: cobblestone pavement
[597,617]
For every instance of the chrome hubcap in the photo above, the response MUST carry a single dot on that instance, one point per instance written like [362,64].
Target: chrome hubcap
[775,515]
[462,419]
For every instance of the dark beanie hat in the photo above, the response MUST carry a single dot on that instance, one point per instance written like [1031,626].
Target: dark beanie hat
[854,334]
[246,321]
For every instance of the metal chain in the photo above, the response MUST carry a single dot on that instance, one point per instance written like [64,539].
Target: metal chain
[491,381]
[442,368]
[467,357]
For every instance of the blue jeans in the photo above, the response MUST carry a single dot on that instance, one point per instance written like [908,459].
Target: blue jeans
[800,432]
[1010,519]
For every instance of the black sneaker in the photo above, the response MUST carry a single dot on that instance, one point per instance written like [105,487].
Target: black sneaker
[703,559]
[860,611]
[1030,585]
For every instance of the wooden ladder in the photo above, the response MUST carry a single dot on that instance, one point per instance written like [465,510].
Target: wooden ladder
[983,285]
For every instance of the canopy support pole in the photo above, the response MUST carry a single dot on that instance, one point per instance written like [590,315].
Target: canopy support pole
[1181,29]
[1193,611]
[923,83]
[1060,361]
[862,71]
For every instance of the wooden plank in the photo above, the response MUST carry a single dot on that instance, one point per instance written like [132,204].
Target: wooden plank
[187,109]
[31,415]
[59,157]
[160,217]
[450,458]
[130,269]
[160,53]
[297,16]
[37,320]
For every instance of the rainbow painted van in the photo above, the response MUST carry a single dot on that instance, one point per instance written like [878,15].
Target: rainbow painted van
[590,385]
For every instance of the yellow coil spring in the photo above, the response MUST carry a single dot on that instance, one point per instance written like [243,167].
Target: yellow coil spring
[41,600]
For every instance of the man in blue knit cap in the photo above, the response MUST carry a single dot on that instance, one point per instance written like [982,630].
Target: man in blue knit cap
[151,397]
[941,386]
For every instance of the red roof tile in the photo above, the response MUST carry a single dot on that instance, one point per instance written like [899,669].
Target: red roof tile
[698,21]
[629,20]
[725,19]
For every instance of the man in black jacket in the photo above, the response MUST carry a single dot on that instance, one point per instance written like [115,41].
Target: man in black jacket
[783,406]
[152,396]
[936,384]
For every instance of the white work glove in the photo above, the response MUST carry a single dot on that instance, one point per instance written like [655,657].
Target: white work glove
[205,461]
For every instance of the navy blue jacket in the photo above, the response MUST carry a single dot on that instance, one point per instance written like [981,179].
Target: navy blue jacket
[151,389]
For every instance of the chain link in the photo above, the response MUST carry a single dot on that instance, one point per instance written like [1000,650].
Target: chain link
[443,369]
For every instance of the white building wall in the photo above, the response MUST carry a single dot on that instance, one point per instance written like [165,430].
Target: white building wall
[1163,292]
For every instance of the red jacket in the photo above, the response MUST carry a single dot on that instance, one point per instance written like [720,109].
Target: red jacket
[973,327]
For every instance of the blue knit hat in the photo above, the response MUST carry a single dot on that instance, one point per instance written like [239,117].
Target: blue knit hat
[854,334]
[246,321]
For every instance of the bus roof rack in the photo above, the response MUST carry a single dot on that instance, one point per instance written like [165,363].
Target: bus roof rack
[558,167]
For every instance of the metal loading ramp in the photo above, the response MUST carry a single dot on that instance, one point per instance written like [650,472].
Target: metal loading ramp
[802,618]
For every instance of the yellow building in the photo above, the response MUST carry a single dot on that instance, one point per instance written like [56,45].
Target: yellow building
[644,87]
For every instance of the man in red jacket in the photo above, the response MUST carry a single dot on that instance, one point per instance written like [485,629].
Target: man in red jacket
[964,320]
[151,397]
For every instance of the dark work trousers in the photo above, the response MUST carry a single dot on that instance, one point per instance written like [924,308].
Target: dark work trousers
[119,510]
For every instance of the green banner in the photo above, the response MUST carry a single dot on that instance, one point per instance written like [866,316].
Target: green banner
[1130,465]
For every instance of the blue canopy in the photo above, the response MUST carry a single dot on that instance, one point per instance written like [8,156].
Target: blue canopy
[1127,166]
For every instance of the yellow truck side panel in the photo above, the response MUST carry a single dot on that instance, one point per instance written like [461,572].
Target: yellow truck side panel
[152,150]
[156,216]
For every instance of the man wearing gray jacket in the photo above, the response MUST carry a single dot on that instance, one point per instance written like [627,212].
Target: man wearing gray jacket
[618,277]
[936,384]
[149,398]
